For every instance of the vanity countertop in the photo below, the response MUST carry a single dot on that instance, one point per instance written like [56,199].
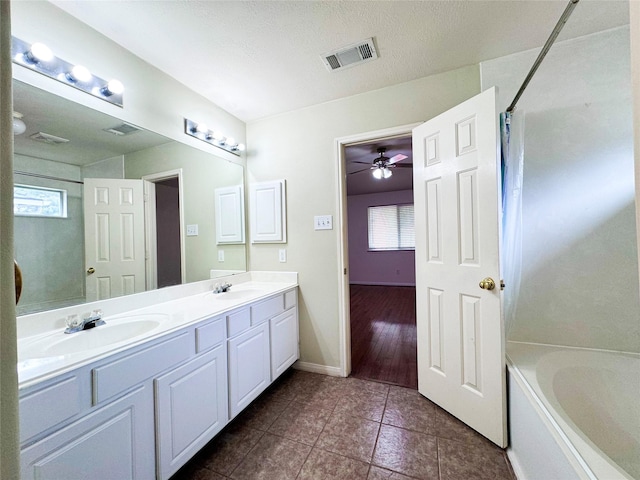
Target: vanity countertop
[46,351]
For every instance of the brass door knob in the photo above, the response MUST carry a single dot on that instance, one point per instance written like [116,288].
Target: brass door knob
[91,270]
[488,284]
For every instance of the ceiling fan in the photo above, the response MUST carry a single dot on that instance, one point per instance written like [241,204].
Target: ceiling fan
[382,165]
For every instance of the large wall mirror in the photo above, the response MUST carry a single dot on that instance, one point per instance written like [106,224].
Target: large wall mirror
[68,149]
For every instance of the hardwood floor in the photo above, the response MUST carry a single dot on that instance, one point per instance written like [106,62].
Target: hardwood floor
[383,334]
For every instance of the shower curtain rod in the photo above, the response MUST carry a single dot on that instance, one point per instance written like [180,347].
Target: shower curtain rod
[47,177]
[552,38]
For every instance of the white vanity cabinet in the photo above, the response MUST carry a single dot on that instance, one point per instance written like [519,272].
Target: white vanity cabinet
[111,441]
[142,413]
[191,400]
[266,347]
[249,367]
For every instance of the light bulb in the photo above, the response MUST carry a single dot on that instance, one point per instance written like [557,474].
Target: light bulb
[241,147]
[201,128]
[386,173]
[79,74]
[18,125]
[231,142]
[114,87]
[377,173]
[39,52]
[218,135]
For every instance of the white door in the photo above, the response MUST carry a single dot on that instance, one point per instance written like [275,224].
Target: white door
[461,352]
[114,237]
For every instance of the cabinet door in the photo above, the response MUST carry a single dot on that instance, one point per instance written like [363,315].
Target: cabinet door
[249,367]
[111,442]
[191,404]
[284,341]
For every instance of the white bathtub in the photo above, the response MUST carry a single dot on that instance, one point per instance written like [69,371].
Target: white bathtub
[589,402]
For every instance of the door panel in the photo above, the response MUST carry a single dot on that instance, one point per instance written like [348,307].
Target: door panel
[114,237]
[461,359]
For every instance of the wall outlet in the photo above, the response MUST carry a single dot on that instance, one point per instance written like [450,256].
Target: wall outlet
[192,230]
[282,255]
[323,222]
[221,255]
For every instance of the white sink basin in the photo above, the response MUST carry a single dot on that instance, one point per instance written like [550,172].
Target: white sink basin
[113,332]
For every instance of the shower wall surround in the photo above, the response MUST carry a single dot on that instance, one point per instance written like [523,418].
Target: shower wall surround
[580,267]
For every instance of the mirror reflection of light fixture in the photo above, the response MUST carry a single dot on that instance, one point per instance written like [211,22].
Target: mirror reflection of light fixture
[212,137]
[39,58]
[18,125]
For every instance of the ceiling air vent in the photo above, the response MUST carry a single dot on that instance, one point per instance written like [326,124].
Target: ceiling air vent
[123,129]
[48,138]
[350,56]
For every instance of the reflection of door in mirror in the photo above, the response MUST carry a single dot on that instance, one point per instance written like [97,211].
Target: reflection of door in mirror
[114,237]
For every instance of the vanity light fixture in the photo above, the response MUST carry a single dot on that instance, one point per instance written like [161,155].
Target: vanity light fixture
[212,137]
[40,58]
[79,74]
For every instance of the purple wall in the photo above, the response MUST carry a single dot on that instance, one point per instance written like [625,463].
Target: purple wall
[376,268]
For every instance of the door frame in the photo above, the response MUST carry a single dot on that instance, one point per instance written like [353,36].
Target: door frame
[344,312]
[151,253]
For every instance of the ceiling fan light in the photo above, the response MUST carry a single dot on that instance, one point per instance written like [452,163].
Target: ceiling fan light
[386,173]
[377,173]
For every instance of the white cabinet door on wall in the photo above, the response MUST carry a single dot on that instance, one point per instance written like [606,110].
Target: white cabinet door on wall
[284,341]
[191,403]
[229,214]
[249,367]
[112,442]
[268,212]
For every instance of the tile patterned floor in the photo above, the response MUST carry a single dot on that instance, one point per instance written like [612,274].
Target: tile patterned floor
[314,427]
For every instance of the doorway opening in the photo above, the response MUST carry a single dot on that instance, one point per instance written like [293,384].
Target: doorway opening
[378,285]
[165,256]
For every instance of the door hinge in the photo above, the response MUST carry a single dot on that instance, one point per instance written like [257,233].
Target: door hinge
[345,271]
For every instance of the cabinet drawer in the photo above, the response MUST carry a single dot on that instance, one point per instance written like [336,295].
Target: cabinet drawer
[50,405]
[210,334]
[238,322]
[115,377]
[290,299]
[263,311]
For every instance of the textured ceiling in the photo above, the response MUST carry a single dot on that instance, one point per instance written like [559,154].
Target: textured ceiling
[260,58]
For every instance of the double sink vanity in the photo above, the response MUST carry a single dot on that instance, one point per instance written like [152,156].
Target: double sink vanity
[137,397]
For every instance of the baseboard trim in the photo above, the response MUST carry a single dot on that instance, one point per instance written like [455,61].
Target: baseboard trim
[515,465]
[384,284]
[317,368]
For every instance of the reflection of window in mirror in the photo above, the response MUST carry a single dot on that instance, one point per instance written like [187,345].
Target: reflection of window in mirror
[29,201]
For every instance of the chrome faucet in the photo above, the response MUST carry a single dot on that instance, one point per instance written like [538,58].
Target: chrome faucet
[222,288]
[75,324]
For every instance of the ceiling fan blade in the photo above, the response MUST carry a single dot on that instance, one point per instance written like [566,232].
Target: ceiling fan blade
[397,158]
[364,163]
[358,171]
[404,165]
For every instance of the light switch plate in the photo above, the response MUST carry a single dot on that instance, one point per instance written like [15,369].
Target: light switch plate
[192,230]
[323,222]
[221,255]
[282,255]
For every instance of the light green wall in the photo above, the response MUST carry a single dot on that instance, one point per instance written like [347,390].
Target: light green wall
[50,251]
[300,146]
[202,173]
[578,224]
